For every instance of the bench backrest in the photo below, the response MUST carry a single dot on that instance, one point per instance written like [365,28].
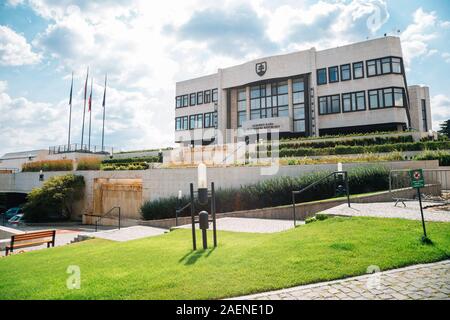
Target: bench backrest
[33,235]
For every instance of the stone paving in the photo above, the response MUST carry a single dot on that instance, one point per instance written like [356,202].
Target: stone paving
[419,282]
[388,210]
[127,234]
[252,225]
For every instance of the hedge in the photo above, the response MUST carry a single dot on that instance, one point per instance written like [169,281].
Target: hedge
[88,164]
[133,160]
[442,156]
[351,142]
[275,192]
[48,165]
[410,146]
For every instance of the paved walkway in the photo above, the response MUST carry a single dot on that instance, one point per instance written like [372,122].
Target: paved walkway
[127,234]
[425,281]
[251,225]
[388,210]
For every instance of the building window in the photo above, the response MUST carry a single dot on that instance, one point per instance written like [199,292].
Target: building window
[321,76]
[178,102]
[354,101]
[192,99]
[358,70]
[280,100]
[214,95]
[329,104]
[181,123]
[258,101]
[209,120]
[424,115]
[241,106]
[298,102]
[333,74]
[200,97]
[345,72]
[196,121]
[185,100]
[382,66]
[387,98]
[207,96]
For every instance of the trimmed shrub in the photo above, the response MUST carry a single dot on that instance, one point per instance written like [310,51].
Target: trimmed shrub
[55,199]
[442,156]
[276,192]
[89,164]
[149,159]
[48,165]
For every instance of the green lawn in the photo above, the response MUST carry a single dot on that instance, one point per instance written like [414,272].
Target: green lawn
[165,268]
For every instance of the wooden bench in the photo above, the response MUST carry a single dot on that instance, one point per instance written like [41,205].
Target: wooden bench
[31,239]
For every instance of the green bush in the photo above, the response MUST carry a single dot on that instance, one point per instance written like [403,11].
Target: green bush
[55,199]
[276,192]
[149,159]
[88,164]
[126,166]
[349,142]
[340,149]
[48,165]
[442,156]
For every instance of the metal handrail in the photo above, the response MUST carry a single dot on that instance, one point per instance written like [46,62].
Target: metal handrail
[334,174]
[103,216]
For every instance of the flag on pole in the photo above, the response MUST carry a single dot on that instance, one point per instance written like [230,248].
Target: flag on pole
[104,94]
[71,89]
[90,99]
[85,85]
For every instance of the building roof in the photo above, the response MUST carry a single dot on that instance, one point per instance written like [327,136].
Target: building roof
[22,154]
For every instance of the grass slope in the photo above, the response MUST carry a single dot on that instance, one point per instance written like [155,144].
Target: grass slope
[164,267]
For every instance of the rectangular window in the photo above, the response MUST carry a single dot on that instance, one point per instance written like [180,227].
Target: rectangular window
[396,65]
[185,102]
[386,98]
[207,96]
[354,101]
[214,95]
[345,72]
[358,70]
[424,115]
[281,100]
[333,74]
[200,97]
[242,106]
[209,120]
[181,123]
[385,65]
[321,76]
[192,99]
[258,102]
[196,121]
[329,104]
[371,68]
[178,102]
[298,101]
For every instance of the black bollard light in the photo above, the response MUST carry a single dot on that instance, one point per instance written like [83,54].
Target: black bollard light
[202,184]
[204,225]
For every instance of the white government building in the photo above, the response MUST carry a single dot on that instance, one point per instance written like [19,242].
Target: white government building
[359,87]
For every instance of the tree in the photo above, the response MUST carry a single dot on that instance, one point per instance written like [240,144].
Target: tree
[445,128]
[55,199]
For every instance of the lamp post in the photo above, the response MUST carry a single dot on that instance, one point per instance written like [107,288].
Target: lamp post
[180,196]
[202,184]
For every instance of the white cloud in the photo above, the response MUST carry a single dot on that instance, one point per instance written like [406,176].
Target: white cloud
[440,107]
[446,57]
[416,37]
[14,49]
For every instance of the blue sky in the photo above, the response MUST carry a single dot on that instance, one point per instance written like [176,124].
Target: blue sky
[145,48]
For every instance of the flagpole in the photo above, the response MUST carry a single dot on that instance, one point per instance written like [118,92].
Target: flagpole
[70,113]
[90,117]
[84,108]
[104,107]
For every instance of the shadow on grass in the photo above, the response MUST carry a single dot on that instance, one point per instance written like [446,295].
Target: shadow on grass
[192,256]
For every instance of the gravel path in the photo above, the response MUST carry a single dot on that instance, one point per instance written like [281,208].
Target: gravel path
[251,225]
[388,210]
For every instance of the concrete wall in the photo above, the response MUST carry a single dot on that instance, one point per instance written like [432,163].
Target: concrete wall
[161,183]
[416,95]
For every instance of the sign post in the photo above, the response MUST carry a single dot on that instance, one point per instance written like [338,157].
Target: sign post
[417,182]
